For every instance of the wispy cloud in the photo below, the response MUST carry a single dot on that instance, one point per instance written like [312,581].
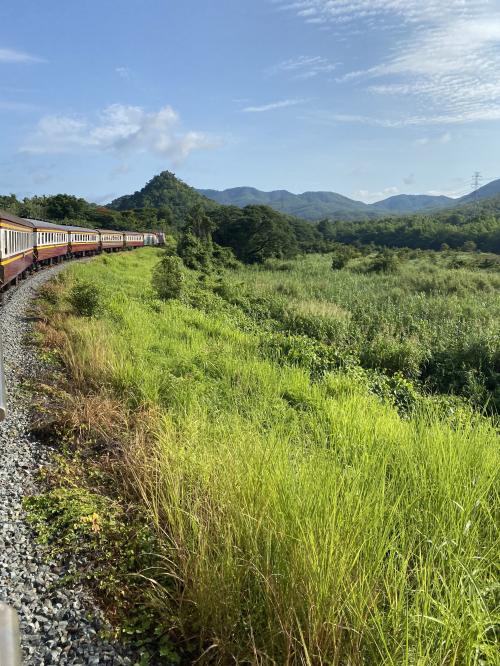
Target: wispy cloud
[282,104]
[121,130]
[454,66]
[304,67]
[370,12]
[371,197]
[17,106]
[446,59]
[441,139]
[424,120]
[123,72]
[8,56]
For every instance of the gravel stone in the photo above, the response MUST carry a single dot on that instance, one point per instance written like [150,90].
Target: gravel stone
[60,624]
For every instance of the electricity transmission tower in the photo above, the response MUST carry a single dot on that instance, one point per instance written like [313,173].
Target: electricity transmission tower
[476,184]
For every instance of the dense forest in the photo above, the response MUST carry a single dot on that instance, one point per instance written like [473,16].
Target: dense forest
[257,232]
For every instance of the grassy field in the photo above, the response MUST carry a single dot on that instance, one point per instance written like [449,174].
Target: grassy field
[299,517]
[435,320]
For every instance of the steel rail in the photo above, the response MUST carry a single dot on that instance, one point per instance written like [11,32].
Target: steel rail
[10,650]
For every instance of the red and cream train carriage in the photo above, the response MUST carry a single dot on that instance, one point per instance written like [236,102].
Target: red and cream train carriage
[84,241]
[55,241]
[27,243]
[111,240]
[51,241]
[133,239]
[16,247]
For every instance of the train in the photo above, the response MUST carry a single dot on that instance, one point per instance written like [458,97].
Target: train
[27,244]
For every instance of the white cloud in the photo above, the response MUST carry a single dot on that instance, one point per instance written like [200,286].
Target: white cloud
[372,12]
[304,67]
[121,130]
[329,118]
[410,179]
[441,139]
[453,193]
[273,105]
[8,56]
[123,72]
[371,197]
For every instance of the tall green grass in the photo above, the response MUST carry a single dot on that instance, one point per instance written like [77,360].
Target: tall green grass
[432,323]
[301,523]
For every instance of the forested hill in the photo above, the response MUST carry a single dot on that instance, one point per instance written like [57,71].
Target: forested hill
[165,190]
[309,205]
[315,206]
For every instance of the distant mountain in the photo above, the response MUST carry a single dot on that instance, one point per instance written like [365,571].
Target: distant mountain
[164,190]
[412,203]
[309,205]
[318,205]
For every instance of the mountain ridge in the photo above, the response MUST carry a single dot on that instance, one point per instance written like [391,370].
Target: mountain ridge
[166,190]
[313,205]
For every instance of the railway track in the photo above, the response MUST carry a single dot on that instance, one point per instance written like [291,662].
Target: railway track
[59,622]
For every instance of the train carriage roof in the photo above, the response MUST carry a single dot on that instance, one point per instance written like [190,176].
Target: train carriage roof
[119,231]
[42,224]
[14,219]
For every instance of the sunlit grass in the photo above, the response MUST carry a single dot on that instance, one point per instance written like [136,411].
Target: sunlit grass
[301,522]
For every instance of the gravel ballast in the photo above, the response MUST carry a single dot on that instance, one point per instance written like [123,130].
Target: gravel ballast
[59,622]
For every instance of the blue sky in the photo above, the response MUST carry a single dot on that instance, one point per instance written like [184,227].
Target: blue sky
[368,98]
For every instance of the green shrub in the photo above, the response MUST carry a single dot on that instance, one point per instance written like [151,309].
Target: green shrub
[224,257]
[342,255]
[167,278]
[394,356]
[384,262]
[84,298]
[195,253]
[304,352]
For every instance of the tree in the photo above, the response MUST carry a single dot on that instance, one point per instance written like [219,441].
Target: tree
[66,206]
[341,256]
[167,277]
[256,233]
[469,246]
[385,262]
[194,253]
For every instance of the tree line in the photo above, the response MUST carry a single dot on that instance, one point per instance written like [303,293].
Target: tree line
[257,232]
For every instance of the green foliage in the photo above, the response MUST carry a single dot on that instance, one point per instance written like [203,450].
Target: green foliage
[303,351]
[194,252]
[435,326]
[340,520]
[384,262]
[223,257]
[420,231]
[341,256]
[114,545]
[165,192]
[167,277]
[255,233]
[65,206]
[84,298]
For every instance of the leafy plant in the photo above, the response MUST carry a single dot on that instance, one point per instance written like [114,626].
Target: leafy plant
[84,298]
[167,278]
